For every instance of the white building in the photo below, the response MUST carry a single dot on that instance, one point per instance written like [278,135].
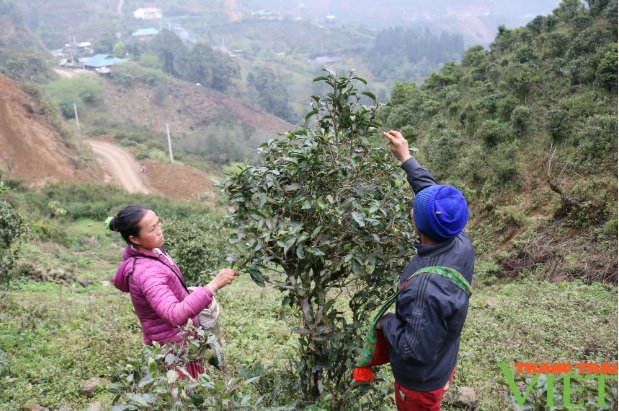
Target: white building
[148,13]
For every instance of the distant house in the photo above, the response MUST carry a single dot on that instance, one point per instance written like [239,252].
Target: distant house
[263,15]
[145,34]
[148,13]
[101,60]
[325,60]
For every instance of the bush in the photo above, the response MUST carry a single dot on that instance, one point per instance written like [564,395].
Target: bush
[154,380]
[597,139]
[12,229]
[519,121]
[318,215]
[130,73]
[443,150]
[199,245]
[557,123]
[81,90]
[492,132]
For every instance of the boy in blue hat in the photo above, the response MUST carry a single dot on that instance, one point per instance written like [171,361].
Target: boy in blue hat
[424,332]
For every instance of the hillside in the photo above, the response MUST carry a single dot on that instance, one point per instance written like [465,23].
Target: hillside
[528,130]
[31,149]
[477,20]
[35,152]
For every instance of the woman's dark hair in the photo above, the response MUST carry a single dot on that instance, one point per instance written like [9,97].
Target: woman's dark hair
[127,220]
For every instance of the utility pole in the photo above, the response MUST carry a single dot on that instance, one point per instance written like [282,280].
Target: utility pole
[167,126]
[77,119]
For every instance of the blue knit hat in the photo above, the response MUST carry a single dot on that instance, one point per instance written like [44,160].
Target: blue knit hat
[440,212]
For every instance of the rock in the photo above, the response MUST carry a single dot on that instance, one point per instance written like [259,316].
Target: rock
[33,406]
[105,283]
[466,396]
[90,386]
[95,406]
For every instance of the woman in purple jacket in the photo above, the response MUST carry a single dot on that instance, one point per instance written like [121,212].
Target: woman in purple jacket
[156,285]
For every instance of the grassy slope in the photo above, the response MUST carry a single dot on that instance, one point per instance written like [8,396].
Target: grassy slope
[56,336]
[463,121]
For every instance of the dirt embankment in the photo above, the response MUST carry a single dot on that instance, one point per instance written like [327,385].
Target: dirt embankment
[30,148]
[148,176]
[33,151]
[120,167]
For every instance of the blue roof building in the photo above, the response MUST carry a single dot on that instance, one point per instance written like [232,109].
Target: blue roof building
[145,33]
[102,60]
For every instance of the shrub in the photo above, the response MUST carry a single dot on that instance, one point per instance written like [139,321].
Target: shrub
[81,90]
[557,123]
[492,132]
[153,379]
[12,229]
[443,150]
[130,73]
[319,214]
[199,245]
[519,121]
[597,139]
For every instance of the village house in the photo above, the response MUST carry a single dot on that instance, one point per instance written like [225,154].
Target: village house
[263,15]
[148,13]
[145,34]
[101,60]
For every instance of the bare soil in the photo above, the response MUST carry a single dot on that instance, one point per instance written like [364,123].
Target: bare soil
[33,151]
[30,148]
[171,180]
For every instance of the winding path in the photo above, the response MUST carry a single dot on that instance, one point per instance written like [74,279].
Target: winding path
[121,168]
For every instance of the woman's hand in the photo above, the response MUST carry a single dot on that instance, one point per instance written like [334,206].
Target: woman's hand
[222,279]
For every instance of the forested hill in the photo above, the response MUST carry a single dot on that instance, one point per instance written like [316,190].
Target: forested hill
[528,130]
[19,47]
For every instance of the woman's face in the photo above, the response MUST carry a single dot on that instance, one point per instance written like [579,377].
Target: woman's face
[150,235]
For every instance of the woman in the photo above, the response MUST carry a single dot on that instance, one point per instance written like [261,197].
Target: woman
[158,290]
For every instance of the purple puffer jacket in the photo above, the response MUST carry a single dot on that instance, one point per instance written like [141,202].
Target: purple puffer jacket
[159,296]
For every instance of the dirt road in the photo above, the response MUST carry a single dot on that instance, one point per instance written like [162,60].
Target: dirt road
[120,167]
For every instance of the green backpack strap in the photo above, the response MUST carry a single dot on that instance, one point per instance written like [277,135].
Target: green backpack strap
[370,342]
[447,272]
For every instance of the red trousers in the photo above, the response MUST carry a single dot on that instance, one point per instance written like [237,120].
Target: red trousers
[409,400]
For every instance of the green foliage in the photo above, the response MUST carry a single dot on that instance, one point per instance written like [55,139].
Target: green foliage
[409,54]
[24,65]
[557,123]
[492,132]
[170,50]
[12,229]
[606,74]
[519,121]
[149,60]
[598,135]
[271,94]
[81,90]
[211,68]
[200,245]
[97,202]
[154,380]
[119,50]
[323,213]
[130,74]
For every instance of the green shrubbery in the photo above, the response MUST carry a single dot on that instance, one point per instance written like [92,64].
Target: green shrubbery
[81,90]
[130,74]
[323,215]
[199,244]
